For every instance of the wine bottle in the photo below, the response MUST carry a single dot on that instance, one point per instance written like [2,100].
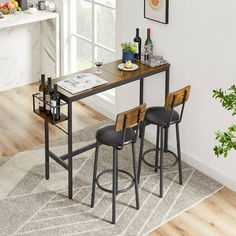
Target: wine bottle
[55,104]
[148,44]
[42,88]
[138,42]
[48,92]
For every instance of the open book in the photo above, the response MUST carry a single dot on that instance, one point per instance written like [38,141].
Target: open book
[81,82]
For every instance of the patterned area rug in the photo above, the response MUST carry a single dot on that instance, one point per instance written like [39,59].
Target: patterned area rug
[30,205]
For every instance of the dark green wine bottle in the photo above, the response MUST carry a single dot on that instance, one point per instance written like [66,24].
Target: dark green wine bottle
[148,43]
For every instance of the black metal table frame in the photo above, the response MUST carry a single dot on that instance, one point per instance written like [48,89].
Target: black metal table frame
[71,153]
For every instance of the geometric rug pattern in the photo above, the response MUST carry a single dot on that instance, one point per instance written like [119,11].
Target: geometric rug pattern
[31,205]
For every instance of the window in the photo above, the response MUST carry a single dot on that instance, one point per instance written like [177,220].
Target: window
[92,32]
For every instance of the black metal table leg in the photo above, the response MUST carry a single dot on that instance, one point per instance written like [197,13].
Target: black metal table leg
[141,92]
[70,161]
[46,149]
[141,85]
[167,85]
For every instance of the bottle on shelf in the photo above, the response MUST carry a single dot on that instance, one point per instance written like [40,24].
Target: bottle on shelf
[138,42]
[48,93]
[23,4]
[41,5]
[55,104]
[42,88]
[50,5]
[148,46]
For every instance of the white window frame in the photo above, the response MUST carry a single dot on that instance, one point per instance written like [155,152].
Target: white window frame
[93,41]
[104,102]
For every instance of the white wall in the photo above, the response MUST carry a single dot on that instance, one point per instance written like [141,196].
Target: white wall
[200,44]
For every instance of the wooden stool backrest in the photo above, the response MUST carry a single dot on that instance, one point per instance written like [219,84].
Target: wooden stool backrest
[177,98]
[130,118]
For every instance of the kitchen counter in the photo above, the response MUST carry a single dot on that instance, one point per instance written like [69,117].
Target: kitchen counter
[21,18]
[29,47]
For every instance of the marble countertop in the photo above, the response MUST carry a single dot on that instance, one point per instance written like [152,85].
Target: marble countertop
[21,18]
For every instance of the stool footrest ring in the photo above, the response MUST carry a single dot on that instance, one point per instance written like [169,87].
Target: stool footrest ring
[119,190]
[166,166]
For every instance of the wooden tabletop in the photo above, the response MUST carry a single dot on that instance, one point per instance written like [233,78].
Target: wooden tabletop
[113,76]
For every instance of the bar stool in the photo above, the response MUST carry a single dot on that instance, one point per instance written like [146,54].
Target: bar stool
[123,132]
[163,117]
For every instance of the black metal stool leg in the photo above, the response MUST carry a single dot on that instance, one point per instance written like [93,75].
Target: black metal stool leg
[94,174]
[161,163]
[141,151]
[135,177]
[157,149]
[166,132]
[114,190]
[116,172]
[179,154]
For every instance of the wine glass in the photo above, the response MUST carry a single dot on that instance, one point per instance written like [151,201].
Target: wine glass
[98,64]
[145,54]
[160,55]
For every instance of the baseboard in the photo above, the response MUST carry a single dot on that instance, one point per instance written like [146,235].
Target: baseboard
[194,162]
[102,106]
[209,171]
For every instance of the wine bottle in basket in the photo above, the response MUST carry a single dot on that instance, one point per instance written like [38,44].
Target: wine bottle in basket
[55,104]
[42,88]
[48,93]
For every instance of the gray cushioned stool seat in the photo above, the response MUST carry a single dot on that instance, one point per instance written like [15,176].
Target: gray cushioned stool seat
[160,116]
[107,135]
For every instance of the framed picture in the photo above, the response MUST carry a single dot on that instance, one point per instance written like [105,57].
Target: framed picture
[156,10]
